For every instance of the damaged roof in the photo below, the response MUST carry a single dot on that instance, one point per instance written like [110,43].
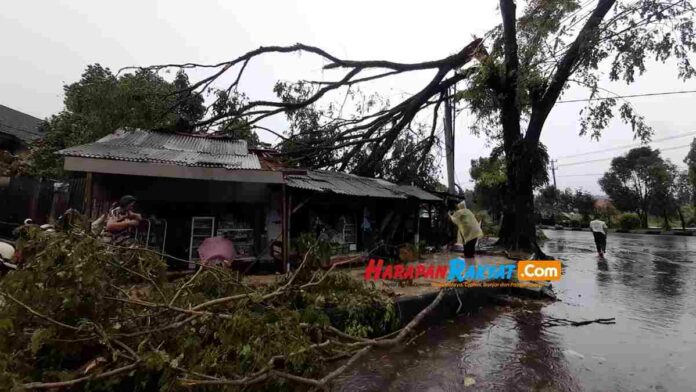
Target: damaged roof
[352,185]
[168,148]
[197,151]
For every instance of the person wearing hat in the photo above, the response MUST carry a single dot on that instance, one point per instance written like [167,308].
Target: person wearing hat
[121,219]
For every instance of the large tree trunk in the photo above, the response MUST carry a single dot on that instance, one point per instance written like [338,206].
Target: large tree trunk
[517,231]
[681,218]
[643,219]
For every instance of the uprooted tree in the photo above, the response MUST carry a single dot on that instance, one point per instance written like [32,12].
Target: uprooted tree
[523,67]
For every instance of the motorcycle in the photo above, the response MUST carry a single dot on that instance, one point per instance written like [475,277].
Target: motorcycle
[7,252]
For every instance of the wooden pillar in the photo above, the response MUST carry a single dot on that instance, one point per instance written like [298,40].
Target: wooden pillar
[284,230]
[87,207]
[417,236]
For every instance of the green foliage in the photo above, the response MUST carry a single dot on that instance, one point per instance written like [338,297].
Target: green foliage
[488,172]
[314,138]
[690,161]
[306,131]
[631,34]
[318,251]
[490,177]
[639,181]
[584,203]
[101,102]
[351,307]
[629,221]
[97,304]
[404,168]
[234,127]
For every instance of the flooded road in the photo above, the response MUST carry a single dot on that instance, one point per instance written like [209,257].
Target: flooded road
[646,283]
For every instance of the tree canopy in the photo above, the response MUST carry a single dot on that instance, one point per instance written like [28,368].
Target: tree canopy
[532,59]
[490,178]
[550,202]
[690,161]
[640,181]
[102,102]
[523,66]
[409,160]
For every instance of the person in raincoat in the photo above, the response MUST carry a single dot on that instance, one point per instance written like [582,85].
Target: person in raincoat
[468,228]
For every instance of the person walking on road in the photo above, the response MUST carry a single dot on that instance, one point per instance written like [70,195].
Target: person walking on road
[599,231]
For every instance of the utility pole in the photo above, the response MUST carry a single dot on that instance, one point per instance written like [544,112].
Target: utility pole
[449,143]
[553,172]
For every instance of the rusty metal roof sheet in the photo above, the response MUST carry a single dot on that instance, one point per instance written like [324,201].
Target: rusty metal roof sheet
[349,184]
[167,148]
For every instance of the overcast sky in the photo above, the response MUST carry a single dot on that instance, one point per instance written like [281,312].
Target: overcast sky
[46,44]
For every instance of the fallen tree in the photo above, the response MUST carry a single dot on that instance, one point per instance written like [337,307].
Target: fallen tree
[522,68]
[83,315]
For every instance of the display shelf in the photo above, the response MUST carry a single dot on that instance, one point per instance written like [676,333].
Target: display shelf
[242,239]
[202,227]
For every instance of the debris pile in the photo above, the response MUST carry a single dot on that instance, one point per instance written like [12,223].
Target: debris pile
[80,314]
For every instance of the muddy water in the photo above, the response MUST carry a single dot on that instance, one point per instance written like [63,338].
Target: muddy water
[646,283]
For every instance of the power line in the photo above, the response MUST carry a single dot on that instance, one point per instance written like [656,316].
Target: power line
[583,175]
[601,174]
[608,159]
[628,96]
[692,133]
[583,162]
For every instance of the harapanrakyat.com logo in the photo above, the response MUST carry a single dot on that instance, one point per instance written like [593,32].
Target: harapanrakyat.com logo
[457,272]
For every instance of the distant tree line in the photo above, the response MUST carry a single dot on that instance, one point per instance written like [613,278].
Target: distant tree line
[643,182]
[639,184]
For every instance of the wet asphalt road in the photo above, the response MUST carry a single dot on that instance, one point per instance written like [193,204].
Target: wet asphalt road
[646,282]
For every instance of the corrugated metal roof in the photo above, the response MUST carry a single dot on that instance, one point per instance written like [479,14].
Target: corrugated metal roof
[418,193]
[174,149]
[349,184]
[20,125]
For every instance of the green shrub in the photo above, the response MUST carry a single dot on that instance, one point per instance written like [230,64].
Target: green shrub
[629,221]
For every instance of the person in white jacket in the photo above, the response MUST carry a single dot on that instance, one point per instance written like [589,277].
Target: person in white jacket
[599,231]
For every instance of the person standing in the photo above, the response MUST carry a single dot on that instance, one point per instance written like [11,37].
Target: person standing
[468,228]
[599,231]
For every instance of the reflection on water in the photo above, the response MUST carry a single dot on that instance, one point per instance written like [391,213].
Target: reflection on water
[645,282]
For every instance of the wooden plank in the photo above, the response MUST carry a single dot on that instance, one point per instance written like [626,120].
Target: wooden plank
[88,195]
